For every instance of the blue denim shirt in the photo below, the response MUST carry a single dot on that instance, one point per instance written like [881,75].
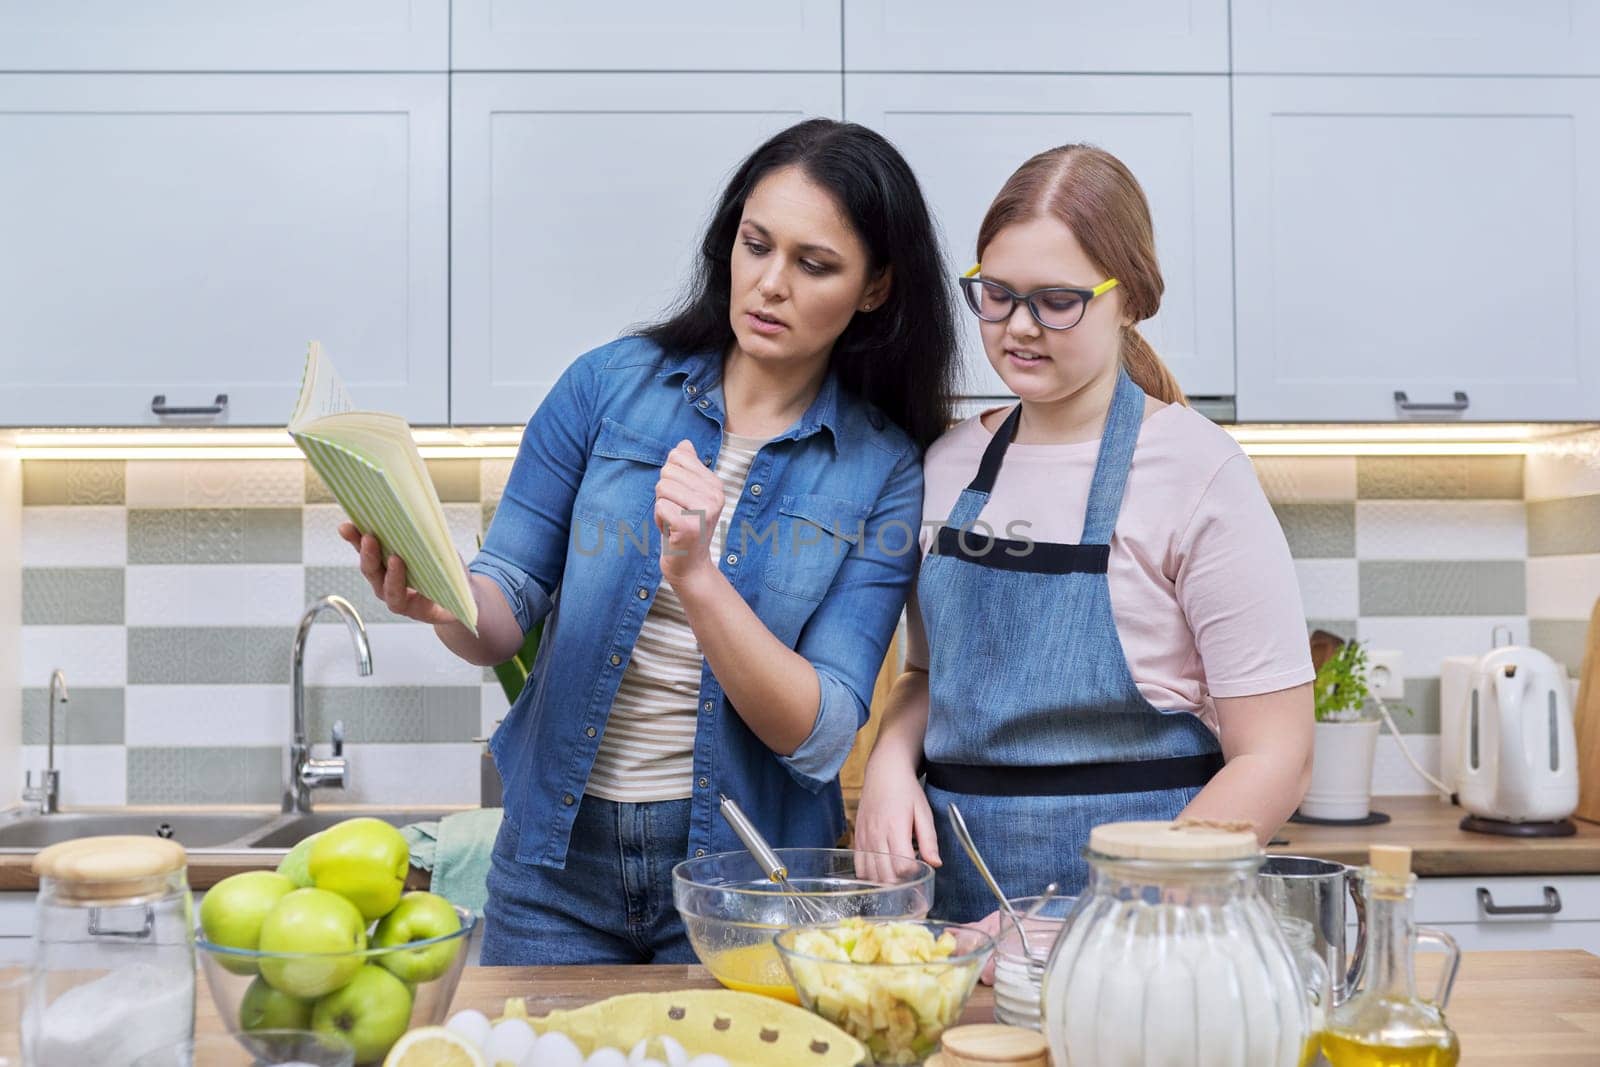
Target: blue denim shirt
[822,545]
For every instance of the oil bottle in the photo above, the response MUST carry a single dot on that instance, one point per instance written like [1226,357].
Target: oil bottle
[1385,1023]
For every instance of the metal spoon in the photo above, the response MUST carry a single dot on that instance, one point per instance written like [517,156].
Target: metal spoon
[965,837]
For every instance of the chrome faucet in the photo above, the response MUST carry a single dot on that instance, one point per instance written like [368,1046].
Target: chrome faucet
[307,772]
[47,791]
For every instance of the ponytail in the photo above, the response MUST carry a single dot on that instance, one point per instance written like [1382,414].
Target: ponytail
[1147,370]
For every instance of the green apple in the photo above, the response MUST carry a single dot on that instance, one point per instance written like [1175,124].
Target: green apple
[371,1012]
[264,1008]
[363,860]
[418,917]
[296,865]
[232,912]
[318,922]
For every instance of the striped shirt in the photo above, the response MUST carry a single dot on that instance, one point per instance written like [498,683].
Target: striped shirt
[647,751]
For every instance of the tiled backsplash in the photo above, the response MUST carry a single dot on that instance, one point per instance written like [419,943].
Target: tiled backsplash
[169,592]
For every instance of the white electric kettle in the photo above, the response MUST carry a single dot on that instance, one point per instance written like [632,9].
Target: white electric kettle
[1517,766]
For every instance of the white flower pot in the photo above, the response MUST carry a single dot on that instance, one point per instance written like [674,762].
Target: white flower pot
[1341,770]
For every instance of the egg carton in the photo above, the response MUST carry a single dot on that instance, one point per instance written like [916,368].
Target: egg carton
[745,1029]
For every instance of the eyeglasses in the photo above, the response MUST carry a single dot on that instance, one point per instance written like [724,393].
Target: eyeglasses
[1057,308]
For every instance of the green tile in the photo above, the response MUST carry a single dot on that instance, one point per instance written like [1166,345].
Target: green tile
[348,583]
[205,775]
[73,481]
[208,655]
[61,596]
[1320,530]
[1443,587]
[391,714]
[1560,639]
[455,480]
[214,535]
[1567,527]
[1422,697]
[89,717]
[1439,477]
[317,491]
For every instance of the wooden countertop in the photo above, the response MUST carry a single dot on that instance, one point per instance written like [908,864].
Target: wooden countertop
[1440,848]
[1509,1008]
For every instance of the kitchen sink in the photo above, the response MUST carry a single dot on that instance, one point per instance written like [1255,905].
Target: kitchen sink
[299,827]
[197,829]
[189,829]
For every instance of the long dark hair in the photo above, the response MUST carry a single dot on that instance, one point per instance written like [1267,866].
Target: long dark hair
[901,357]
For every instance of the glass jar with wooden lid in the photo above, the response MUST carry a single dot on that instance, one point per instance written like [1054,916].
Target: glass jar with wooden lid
[113,972]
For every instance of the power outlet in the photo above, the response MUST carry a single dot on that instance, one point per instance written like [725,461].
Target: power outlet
[1384,677]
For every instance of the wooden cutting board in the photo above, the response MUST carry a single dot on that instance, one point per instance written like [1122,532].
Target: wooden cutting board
[1586,716]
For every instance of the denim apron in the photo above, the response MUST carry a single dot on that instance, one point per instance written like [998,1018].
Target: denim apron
[1036,729]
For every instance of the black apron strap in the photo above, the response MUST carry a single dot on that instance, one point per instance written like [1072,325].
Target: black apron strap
[1075,779]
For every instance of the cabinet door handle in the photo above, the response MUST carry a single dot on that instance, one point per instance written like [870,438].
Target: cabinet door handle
[1402,402]
[159,406]
[1551,905]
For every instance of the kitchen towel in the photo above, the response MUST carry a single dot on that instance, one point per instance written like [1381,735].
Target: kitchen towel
[456,849]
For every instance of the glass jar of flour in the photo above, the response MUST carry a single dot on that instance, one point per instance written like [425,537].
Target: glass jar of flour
[1172,957]
[113,954]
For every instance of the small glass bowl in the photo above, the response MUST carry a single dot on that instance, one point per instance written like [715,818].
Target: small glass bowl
[1019,976]
[898,1010]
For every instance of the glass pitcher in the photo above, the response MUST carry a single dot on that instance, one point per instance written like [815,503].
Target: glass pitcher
[1385,1023]
[113,952]
[1172,957]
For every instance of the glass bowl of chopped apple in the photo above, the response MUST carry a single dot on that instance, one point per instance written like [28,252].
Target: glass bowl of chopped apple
[892,984]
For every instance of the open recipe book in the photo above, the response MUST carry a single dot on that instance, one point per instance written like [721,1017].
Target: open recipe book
[371,465]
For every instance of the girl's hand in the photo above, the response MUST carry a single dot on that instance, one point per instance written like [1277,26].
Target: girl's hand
[689,498]
[388,580]
[893,816]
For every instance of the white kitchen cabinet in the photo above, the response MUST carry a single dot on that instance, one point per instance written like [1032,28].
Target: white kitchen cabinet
[224,35]
[16,927]
[186,235]
[507,35]
[578,203]
[1037,36]
[1563,911]
[1434,237]
[1535,37]
[965,134]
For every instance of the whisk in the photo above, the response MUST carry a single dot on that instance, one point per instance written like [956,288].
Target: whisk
[806,910]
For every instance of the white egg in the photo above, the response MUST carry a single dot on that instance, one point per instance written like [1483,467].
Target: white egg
[471,1024]
[676,1056]
[509,1042]
[554,1049]
[606,1057]
[636,1054]
[708,1059]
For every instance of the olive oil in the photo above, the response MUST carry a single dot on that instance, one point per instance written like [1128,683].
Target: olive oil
[1345,1051]
[1385,1023]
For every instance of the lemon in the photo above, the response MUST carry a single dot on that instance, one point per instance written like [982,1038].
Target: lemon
[433,1046]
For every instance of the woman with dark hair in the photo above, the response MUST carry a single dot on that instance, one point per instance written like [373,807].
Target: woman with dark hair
[715,519]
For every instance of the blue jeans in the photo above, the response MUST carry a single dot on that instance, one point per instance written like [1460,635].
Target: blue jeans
[612,903]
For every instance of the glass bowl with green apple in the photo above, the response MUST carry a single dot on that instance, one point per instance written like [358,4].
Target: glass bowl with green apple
[333,944]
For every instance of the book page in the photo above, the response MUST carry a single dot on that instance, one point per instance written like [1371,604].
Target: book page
[322,392]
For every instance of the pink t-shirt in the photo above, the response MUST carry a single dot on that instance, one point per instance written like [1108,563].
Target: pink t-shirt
[1203,588]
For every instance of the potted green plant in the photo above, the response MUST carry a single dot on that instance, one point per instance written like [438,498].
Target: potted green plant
[1346,737]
